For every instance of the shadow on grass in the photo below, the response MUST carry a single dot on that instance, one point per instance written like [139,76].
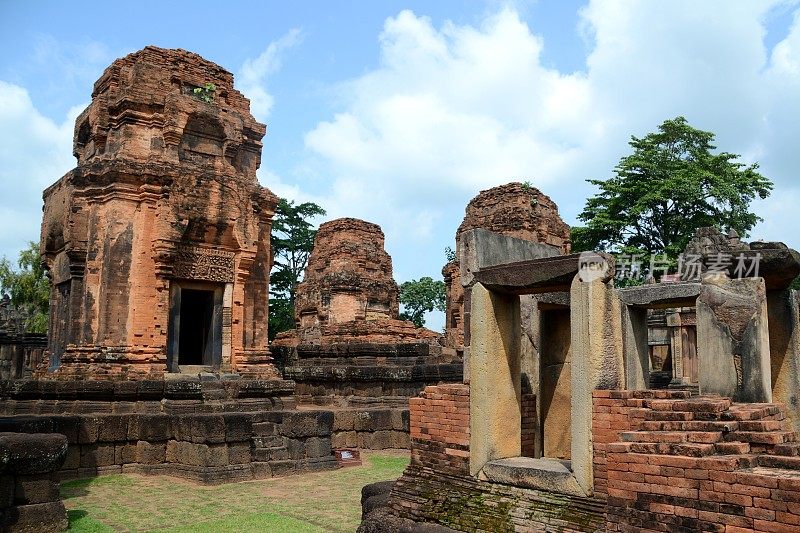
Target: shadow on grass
[78,487]
[81,522]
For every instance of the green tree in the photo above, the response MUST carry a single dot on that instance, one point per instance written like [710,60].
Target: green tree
[292,242]
[27,287]
[420,296]
[669,186]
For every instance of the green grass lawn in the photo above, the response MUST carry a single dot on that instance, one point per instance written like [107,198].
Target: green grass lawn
[318,502]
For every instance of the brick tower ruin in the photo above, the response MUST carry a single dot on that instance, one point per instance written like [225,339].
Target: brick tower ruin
[350,350]
[515,210]
[157,243]
[349,278]
[350,341]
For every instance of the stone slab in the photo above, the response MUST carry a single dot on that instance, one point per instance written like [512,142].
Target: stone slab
[656,295]
[544,474]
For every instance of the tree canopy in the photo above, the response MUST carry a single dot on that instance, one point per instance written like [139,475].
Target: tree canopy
[27,287]
[292,242]
[420,296]
[669,186]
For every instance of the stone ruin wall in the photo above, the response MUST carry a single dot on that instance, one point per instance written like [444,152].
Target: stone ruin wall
[663,461]
[514,210]
[164,192]
[206,431]
[21,353]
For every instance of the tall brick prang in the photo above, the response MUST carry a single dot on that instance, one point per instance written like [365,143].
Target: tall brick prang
[157,243]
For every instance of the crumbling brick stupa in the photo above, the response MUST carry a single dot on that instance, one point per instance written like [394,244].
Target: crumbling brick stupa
[157,243]
[516,210]
[350,350]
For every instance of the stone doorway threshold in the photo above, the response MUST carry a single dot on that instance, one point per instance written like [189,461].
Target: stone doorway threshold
[199,372]
[552,475]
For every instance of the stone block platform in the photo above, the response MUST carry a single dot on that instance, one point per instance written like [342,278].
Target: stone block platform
[207,431]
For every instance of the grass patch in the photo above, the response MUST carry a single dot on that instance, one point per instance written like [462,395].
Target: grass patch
[80,521]
[316,502]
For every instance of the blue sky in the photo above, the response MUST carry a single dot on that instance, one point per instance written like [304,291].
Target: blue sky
[400,112]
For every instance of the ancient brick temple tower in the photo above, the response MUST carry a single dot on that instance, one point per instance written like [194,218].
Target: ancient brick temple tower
[157,243]
[350,346]
[516,210]
[349,276]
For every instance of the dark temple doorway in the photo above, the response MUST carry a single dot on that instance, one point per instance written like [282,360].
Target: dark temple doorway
[195,332]
[196,337]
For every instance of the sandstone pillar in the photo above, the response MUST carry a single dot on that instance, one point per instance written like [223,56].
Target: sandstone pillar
[733,336]
[597,363]
[784,344]
[495,421]
[637,351]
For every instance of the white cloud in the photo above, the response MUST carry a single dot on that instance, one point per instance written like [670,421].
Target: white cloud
[252,77]
[454,109]
[35,152]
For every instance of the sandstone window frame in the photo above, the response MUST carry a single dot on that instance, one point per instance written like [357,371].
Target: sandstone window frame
[495,385]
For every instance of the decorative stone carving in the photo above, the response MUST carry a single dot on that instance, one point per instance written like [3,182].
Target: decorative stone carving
[204,264]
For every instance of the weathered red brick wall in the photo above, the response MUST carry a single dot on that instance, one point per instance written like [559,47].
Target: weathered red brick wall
[439,419]
[668,462]
[529,426]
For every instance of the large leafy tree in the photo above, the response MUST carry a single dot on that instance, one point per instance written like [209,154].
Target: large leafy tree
[670,185]
[292,242]
[27,287]
[420,296]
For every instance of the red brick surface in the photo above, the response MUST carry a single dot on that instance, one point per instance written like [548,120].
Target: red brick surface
[440,427]
[667,462]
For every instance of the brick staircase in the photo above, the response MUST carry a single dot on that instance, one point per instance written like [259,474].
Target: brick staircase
[677,462]
[703,426]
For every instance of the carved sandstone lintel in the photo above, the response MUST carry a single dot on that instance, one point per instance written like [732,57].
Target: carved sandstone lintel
[194,262]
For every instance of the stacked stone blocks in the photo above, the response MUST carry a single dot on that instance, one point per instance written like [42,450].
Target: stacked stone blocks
[30,499]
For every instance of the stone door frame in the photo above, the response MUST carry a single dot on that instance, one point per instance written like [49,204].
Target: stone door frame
[218,325]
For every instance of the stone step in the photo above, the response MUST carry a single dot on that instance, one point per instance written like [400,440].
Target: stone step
[690,425]
[758,437]
[763,425]
[693,405]
[278,453]
[672,436]
[732,448]
[789,449]
[666,416]
[750,412]
[688,449]
[779,461]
